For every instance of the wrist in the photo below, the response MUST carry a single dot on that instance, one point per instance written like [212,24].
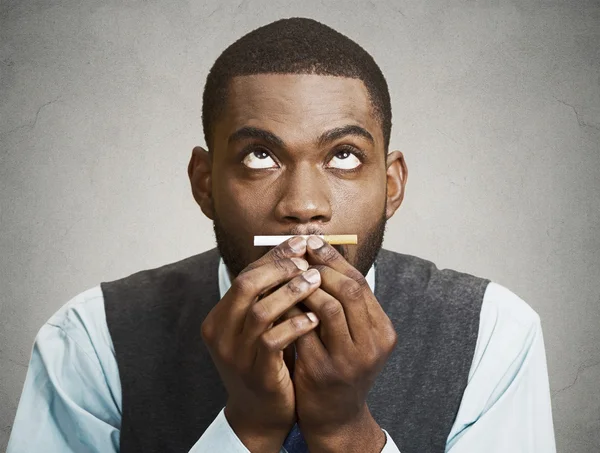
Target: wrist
[256,437]
[362,435]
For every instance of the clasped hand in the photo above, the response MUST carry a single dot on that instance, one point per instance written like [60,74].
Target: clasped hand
[249,329]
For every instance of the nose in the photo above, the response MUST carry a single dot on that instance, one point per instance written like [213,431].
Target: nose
[305,197]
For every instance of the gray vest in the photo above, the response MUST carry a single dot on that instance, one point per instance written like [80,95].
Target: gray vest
[172,392]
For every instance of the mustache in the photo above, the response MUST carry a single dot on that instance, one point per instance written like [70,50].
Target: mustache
[302,231]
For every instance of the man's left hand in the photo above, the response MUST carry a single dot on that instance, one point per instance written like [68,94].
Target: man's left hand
[337,367]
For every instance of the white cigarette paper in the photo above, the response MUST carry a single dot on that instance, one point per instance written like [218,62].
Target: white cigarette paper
[333,239]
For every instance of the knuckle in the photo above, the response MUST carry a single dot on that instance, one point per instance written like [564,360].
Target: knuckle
[352,290]
[295,287]
[224,354]
[360,279]
[391,337]
[356,275]
[244,284]
[278,253]
[259,312]
[371,354]
[320,267]
[269,343]
[331,308]
[286,266]
[207,331]
[280,265]
[297,323]
[327,254]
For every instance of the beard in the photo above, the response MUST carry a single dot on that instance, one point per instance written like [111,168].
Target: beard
[235,251]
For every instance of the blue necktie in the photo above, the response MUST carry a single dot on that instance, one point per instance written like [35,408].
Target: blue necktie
[294,442]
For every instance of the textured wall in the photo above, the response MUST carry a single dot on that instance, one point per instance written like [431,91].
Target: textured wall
[496,106]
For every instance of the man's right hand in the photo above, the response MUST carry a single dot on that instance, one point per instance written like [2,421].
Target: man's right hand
[246,344]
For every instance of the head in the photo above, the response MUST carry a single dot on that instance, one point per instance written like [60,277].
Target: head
[297,122]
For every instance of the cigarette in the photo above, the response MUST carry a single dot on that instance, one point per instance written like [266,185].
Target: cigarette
[333,239]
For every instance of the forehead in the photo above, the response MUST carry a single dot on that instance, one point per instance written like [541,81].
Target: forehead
[298,106]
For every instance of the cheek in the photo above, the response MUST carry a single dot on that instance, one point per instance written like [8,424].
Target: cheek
[239,205]
[359,205]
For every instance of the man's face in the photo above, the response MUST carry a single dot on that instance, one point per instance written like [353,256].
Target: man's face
[298,154]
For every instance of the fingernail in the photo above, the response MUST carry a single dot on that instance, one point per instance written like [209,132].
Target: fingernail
[300,263]
[298,244]
[312,276]
[312,316]
[315,242]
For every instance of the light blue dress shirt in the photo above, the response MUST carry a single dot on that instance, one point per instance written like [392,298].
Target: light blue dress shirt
[71,401]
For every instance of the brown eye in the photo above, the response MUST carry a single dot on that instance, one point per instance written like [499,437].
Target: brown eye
[259,159]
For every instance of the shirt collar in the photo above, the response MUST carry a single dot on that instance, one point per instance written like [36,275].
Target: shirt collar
[225,281]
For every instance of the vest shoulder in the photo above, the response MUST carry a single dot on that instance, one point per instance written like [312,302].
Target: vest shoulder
[404,263]
[187,282]
[190,266]
[420,276]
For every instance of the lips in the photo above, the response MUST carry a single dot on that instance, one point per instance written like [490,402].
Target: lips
[304,231]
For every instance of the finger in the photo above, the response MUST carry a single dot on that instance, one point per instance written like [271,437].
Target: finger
[334,331]
[248,287]
[267,310]
[293,247]
[272,342]
[352,296]
[309,346]
[321,252]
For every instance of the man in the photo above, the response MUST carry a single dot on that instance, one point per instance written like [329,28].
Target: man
[305,345]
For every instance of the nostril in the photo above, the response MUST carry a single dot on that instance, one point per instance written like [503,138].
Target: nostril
[314,219]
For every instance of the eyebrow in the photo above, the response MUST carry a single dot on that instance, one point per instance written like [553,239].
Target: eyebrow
[255,132]
[340,132]
[325,138]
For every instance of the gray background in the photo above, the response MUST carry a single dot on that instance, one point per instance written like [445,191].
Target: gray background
[496,107]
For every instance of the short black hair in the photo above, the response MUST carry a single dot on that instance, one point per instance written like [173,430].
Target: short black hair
[294,46]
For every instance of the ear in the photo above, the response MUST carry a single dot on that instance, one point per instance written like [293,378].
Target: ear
[397,174]
[200,174]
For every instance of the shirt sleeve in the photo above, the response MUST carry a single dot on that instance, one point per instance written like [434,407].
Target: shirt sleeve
[219,436]
[66,405]
[506,404]
[71,399]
